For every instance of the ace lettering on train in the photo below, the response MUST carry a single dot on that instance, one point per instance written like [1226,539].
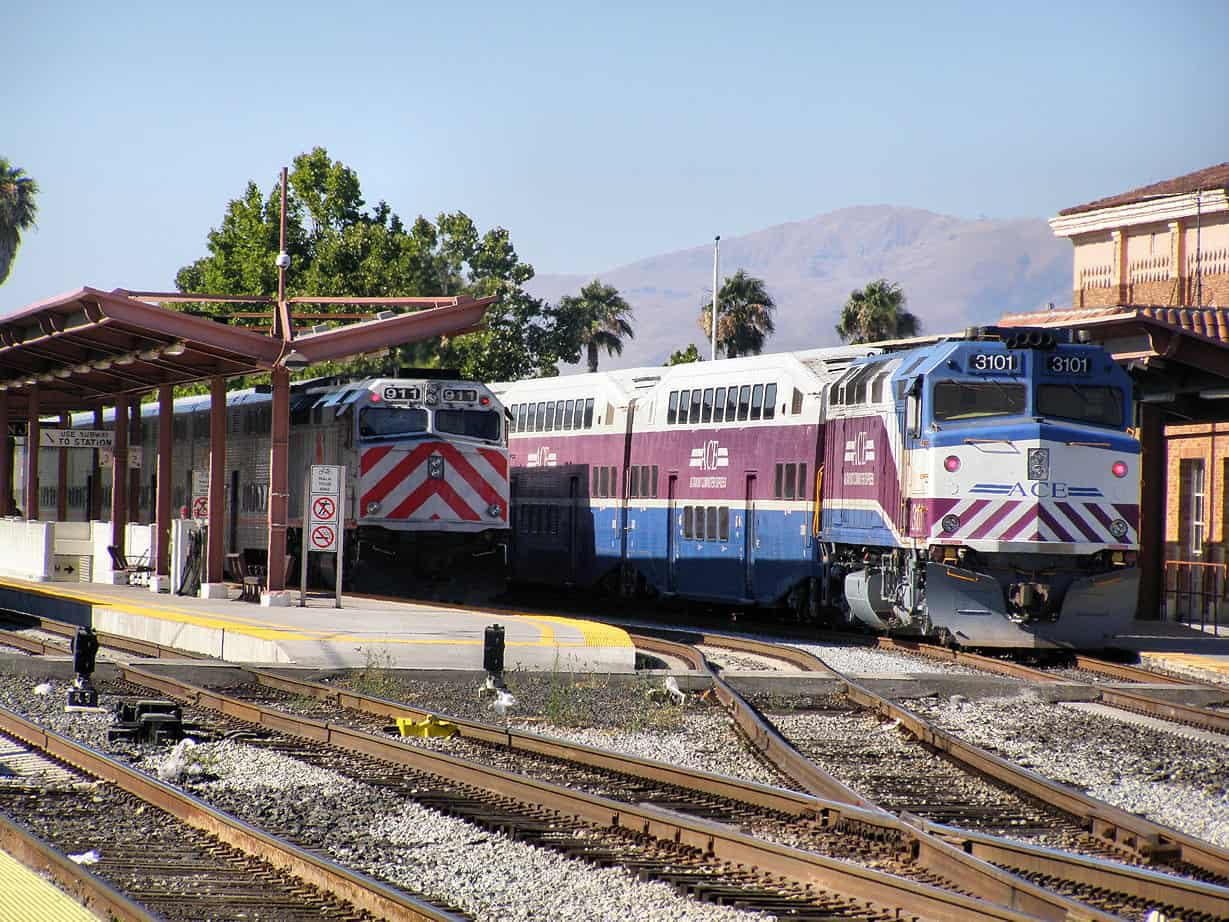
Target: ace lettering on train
[323,524]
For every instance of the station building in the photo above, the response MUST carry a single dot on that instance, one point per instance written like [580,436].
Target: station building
[1162,251]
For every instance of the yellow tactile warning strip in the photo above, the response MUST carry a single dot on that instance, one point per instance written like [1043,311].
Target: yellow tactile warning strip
[593,633]
[1190,662]
[26,897]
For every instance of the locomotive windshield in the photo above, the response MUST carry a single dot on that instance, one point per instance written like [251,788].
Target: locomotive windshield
[477,424]
[1099,405]
[959,400]
[375,422]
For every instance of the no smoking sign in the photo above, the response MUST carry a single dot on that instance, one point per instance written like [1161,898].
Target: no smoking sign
[324,538]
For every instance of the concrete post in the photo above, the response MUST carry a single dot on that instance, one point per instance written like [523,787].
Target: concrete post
[6,458]
[279,495]
[119,475]
[61,480]
[134,473]
[214,585]
[32,441]
[162,533]
[1151,512]
[95,510]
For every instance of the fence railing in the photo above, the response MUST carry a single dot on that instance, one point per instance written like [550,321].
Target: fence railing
[1196,592]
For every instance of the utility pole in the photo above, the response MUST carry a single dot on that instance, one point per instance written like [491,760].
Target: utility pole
[716,262]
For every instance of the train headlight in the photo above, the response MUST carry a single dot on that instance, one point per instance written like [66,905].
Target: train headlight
[950,523]
[951,464]
[494,510]
[373,508]
[1119,469]
[1118,528]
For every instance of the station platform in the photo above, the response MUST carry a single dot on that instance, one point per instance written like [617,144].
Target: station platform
[1179,648]
[27,897]
[364,632]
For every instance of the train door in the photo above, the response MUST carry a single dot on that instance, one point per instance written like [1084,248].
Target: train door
[671,532]
[749,540]
[571,530]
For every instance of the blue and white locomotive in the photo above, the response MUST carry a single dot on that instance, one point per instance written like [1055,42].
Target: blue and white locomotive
[982,490]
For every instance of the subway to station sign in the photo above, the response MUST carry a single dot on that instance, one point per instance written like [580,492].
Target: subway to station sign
[76,438]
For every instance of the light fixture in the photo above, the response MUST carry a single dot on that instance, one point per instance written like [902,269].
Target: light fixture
[127,359]
[176,348]
[46,378]
[386,315]
[149,355]
[83,369]
[63,372]
[101,365]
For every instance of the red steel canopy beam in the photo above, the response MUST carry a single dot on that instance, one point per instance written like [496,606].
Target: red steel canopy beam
[380,334]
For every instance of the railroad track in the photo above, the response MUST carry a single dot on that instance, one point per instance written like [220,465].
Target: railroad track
[160,854]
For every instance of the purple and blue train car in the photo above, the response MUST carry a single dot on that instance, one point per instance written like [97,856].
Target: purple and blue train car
[981,489]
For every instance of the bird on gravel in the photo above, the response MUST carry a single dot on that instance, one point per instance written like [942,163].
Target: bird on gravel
[503,701]
[672,688]
[43,688]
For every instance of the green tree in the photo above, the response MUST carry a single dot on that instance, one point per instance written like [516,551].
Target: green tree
[601,318]
[684,356]
[17,211]
[876,313]
[339,247]
[744,315]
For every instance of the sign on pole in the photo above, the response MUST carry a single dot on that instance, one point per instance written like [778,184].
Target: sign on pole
[76,438]
[323,523]
[199,508]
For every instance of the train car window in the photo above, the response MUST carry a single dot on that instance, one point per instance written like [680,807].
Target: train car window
[672,411]
[796,405]
[568,409]
[521,412]
[540,420]
[960,400]
[696,397]
[707,413]
[770,401]
[803,483]
[1101,406]
[877,387]
[719,406]
[476,424]
[554,520]
[589,413]
[757,401]
[684,406]
[699,526]
[711,531]
[688,512]
[604,487]
[511,419]
[559,408]
[615,483]
[550,416]
[594,492]
[791,474]
[655,481]
[744,401]
[381,422]
[723,523]
[777,480]
[731,405]
[634,487]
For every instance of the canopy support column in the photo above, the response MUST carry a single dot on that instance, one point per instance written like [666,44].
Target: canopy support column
[61,480]
[119,475]
[6,458]
[214,586]
[134,473]
[279,495]
[95,510]
[162,531]
[1151,512]
[32,442]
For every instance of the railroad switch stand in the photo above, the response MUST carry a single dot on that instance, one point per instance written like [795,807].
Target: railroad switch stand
[147,721]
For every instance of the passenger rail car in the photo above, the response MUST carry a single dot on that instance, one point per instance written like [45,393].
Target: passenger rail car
[981,490]
[427,473]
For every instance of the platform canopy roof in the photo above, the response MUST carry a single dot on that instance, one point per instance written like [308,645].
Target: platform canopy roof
[82,349]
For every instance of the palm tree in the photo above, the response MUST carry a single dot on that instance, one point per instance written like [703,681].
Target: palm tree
[744,315]
[875,313]
[17,210]
[603,318]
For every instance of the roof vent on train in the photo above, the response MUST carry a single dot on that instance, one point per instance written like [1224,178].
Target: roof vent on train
[1020,337]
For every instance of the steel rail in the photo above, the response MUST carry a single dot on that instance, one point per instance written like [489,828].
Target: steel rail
[718,840]
[92,892]
[359,890]
[1139,702]
[147,649]
[1058,864]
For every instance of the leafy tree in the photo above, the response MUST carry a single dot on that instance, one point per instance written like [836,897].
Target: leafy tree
[684,356]
[339,247]
[876,313]
[744,315]
[601,317]
[17,210]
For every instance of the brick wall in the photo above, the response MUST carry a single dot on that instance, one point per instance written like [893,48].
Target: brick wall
[1209,443]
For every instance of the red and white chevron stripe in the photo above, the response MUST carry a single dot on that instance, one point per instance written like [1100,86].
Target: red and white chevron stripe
[398,478]
[1069,522]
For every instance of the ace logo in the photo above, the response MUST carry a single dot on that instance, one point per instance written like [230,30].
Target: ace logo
[859,450]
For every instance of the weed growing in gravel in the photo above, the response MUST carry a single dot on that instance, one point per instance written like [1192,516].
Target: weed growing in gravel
[376,678]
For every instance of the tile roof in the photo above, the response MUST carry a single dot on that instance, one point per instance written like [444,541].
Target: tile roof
[1209,322]
[1213,177]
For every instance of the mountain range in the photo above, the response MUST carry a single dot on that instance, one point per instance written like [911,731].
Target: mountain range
[954,272]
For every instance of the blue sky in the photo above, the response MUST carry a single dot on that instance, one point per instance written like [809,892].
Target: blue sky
[597,133]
